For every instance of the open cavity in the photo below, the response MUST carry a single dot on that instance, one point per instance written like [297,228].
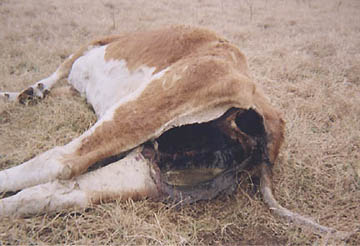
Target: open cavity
[195,153]
[196,156]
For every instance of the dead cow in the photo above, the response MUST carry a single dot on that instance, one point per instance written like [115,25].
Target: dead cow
[178,118]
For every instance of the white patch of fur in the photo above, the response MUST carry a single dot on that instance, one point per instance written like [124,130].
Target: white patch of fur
[49,197]
[107,83]
[50,81]
[109,114]
[126,176]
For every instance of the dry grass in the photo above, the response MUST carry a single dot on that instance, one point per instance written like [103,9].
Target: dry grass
[305,54]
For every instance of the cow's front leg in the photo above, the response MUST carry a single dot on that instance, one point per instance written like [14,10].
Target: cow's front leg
[129,177]
[42,88]
[37,91]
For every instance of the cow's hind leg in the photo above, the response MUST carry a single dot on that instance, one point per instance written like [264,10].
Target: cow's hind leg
[127,178]
[43,168]
[56,163]
[107,138]
[48,166]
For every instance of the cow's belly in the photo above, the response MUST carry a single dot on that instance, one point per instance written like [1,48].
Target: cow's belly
[105,83]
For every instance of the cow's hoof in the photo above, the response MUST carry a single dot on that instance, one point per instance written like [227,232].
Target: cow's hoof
[28,97]
[32,95]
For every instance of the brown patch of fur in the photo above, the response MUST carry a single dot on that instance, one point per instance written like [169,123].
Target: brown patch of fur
[159,48]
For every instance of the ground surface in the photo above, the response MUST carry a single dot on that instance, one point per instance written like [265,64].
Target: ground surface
[306,56]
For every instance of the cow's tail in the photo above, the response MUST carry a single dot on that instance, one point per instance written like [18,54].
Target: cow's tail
[266,190]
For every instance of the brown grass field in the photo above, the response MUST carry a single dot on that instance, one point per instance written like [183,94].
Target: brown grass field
[304,53]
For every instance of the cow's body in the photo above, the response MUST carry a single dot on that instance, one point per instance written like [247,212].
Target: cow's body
[140,86]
